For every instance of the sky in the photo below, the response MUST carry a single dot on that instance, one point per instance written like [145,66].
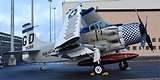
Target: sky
[22,15]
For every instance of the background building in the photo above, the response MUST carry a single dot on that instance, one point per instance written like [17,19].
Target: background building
[123,11]
[5,43]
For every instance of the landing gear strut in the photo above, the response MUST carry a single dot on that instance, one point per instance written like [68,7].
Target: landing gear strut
[42,68]
[123,65]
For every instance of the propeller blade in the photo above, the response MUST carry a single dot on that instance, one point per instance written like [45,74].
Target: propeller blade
[142,31]
[143,36]
[146,23]
[148,37]
[149,42]
[139,17]
[143,41]
[141,26]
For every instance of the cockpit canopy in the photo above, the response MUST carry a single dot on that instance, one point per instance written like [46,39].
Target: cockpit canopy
[98,25]
[94,26]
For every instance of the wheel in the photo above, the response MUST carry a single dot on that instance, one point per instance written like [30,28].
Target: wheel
[42,68]
[99,69]
[1,67]
[123,65]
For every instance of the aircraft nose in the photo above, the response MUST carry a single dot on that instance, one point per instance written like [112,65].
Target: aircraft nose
[131,33]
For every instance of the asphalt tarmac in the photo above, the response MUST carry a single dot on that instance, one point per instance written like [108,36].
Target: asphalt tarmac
[142,68]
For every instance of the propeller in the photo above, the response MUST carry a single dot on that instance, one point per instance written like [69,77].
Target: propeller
[143,31]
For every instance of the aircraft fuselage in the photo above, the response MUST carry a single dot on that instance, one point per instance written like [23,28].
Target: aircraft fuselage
[111,37]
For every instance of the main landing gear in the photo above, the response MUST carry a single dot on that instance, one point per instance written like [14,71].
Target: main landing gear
[42,68]
[123,66]
[98,68]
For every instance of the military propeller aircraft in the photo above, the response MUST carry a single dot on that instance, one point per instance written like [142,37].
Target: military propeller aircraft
[96,44]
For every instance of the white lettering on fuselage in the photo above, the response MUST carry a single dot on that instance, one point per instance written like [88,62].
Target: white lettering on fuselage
[47,52]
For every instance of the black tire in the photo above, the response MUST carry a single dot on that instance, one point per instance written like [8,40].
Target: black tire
[123,65]
[1,67]
[41,68]
[99,69]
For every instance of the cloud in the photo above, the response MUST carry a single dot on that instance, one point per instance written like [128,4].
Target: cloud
[4,23]
[4,19]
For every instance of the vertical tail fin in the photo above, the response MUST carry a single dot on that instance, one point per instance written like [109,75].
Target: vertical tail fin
[30,40]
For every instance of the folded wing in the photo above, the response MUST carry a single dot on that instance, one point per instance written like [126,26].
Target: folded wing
[70,32]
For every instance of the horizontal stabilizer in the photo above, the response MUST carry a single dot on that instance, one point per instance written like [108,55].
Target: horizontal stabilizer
[22,52]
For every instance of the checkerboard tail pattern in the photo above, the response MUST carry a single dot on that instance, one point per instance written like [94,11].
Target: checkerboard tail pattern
[131,33]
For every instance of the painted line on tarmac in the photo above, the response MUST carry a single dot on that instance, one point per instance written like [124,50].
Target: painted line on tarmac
[145,61]
[142,79]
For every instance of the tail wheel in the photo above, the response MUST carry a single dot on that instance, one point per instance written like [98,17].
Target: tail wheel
[41,68]
[99,69]
[123,65]
[1,67]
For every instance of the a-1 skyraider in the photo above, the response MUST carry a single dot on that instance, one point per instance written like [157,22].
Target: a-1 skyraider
[99,41]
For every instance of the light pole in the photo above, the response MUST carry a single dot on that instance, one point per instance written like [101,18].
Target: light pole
[32,13]
[12,25]
[54,25]
[50,21]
